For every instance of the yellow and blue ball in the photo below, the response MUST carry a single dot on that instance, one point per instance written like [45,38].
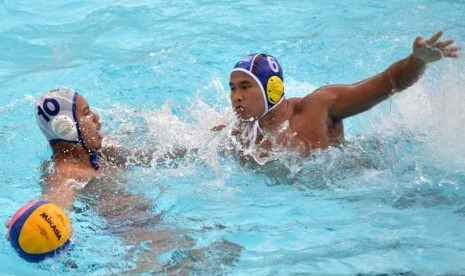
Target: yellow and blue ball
[40,230]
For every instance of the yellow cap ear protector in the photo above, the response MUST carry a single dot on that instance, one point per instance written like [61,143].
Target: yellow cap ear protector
[274,89]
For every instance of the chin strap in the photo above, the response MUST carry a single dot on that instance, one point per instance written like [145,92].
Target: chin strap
[94,157]
[250,132]
[252,128]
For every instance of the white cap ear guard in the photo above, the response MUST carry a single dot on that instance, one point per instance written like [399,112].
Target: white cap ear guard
[55,112]
[64,127]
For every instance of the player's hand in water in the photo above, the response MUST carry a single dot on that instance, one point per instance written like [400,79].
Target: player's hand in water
[7,225]
[432,50]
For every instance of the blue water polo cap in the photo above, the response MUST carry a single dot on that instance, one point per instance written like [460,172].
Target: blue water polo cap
[267,72]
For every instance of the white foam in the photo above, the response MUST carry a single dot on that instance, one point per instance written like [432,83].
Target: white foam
[433,111]
[430,111]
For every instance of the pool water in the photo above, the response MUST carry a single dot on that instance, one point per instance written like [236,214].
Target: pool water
[391,201]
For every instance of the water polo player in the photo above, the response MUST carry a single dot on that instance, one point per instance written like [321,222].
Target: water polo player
[316,120]
[72,129]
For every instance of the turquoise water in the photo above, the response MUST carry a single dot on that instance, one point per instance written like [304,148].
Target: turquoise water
[391,201]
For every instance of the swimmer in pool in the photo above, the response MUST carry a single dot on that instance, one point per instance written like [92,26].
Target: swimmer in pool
[315,121]
[72,129]
[82,169]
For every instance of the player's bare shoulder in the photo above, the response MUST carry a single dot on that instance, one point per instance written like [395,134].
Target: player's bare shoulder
[309,104]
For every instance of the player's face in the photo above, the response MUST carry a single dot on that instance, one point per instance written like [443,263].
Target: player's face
[246,96]
[89,125]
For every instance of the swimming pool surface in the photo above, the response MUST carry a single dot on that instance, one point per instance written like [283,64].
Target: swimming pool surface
[389,202]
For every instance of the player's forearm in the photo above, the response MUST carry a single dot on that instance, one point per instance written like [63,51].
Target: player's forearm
[405,73]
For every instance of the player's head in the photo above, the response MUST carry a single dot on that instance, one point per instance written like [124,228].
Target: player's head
[63,115]
[55,112]
[268,74]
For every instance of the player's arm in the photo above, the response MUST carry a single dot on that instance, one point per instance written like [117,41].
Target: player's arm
[347,100]
[60,190]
